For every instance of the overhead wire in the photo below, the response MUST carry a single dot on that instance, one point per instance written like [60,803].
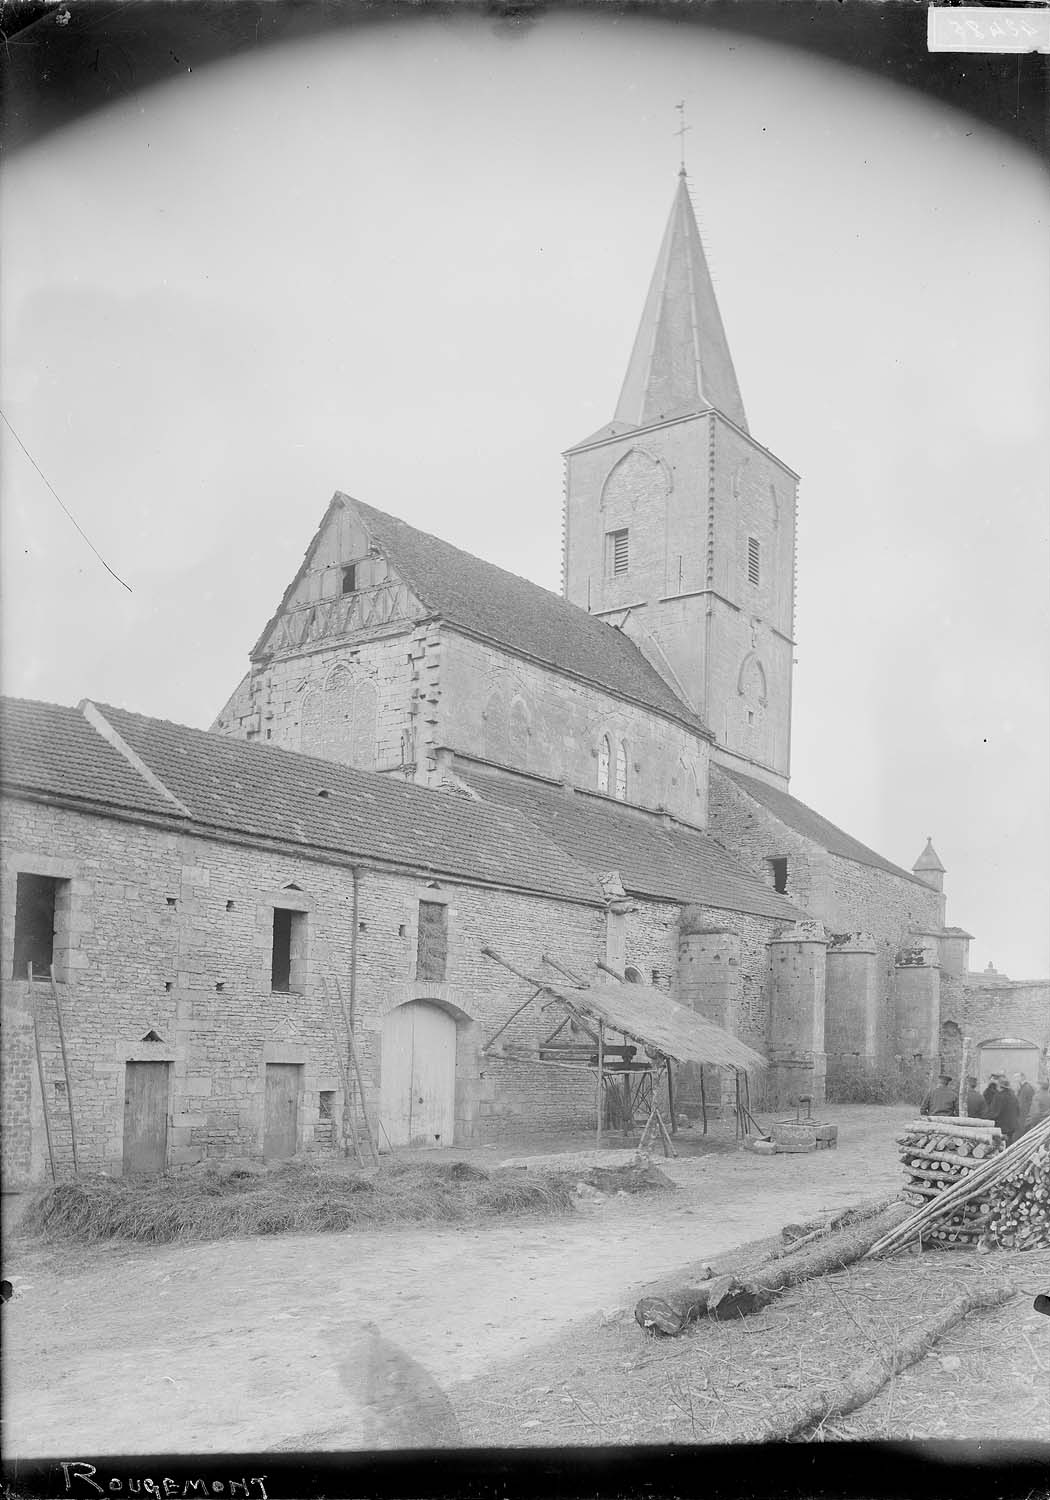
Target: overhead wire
[63,504]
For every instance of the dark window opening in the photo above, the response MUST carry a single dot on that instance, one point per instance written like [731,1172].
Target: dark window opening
[35,899]
[780,875]
[617,552]
[325,1101]
[754,554]
[171,900]
[289,935]
[432,947]
[350,579]
[633,975]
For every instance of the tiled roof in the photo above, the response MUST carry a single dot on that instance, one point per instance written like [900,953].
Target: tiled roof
[51,749]
[812,826]
[668,862]
[259,791]
[520,616]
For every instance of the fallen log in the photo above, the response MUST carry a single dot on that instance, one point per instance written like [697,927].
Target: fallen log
[821,1402]
[732,1296]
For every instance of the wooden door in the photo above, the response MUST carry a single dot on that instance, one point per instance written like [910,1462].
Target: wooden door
[418,1094]
[145,1117]
[281,1129]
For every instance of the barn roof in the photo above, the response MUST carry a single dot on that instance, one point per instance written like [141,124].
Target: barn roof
[655,856]
[261,792]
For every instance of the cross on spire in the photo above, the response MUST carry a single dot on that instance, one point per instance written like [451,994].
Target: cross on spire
[681,134]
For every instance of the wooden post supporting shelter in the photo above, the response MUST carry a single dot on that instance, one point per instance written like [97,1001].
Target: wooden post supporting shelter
[601,1086]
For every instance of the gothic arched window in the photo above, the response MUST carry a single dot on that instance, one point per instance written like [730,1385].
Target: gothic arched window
[620,789]
[604,756]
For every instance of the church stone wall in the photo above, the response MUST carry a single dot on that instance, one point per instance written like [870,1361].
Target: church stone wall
[172,933]
[985,1009]
[497,707]
[846,896]
[352,704]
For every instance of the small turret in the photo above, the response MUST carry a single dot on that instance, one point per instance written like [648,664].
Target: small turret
[928,867]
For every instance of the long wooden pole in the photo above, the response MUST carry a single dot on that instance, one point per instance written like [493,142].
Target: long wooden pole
[40,1074]
[65,1070]
[601,1086]
[964,1068]
[343,1064]
[364,1108]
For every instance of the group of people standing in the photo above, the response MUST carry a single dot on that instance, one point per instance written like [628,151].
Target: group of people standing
[1013,1108]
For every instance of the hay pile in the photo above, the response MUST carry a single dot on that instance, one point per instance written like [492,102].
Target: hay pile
[291,1200]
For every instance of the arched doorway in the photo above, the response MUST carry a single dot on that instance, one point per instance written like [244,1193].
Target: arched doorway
[418,1081]
[1009,1055]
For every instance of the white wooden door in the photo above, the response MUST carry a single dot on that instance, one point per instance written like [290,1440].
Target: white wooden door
[418,1090]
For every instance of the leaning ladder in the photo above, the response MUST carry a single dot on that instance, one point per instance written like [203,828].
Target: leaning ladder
[35,1009]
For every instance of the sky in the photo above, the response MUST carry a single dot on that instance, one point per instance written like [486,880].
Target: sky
[408,262]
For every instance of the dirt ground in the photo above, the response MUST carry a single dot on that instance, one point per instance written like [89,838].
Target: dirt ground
[402,1337]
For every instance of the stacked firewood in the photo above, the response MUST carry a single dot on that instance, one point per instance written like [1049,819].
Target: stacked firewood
[1020,1214]
[940,1152]
[1007,1193]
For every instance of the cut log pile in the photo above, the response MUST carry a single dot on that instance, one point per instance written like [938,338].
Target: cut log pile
[940,1152]
[1020,1215]
[1004,1199]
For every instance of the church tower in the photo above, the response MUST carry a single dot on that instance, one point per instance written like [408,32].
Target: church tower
[680,528]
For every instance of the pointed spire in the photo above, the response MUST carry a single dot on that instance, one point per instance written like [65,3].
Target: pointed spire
[681,361]
[928,861]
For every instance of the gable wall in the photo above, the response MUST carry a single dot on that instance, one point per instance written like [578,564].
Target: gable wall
[498,707]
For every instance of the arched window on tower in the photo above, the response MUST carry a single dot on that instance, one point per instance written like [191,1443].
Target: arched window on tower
[604,756]
[620,789]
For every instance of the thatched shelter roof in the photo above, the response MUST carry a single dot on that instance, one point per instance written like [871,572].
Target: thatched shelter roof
[657,1022]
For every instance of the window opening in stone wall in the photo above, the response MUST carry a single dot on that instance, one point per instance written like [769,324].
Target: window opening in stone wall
[621,773]
[325,1100]
[754,553]
[289,939]
[432,944]
[604,756]
[617,552]
[633,975]
[780,875]
[35,900]
[350,579]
